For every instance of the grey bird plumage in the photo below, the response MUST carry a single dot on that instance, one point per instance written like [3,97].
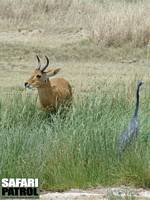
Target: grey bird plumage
[128,135]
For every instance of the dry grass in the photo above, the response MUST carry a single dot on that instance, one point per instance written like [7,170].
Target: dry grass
[108,23]
[120,23]
[68,31]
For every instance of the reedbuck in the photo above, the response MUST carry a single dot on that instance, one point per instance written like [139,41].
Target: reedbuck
[52,93]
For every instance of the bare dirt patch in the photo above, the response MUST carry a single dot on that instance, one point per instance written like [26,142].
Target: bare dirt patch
[99,194]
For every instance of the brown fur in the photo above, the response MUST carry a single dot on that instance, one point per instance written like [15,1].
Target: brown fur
[52,93]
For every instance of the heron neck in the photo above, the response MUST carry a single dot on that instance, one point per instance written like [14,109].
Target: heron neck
[137,103]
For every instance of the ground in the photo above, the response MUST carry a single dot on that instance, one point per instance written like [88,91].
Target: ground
[18,51]
[100,194]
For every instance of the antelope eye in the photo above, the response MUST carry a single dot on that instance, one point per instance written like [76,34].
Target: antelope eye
[38,76]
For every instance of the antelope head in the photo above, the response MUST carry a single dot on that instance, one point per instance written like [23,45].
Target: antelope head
[39,76]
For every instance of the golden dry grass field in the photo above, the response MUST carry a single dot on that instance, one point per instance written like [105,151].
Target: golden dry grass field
[18,51]
[92,41]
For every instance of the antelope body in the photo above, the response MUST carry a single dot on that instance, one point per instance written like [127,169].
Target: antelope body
[52,93]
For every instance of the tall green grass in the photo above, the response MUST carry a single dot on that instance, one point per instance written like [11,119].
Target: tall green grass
[78,149]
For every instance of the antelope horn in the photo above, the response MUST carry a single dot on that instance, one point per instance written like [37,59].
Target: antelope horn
[39,62]
[46,64]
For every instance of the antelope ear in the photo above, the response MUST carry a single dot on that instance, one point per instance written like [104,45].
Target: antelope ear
[52,72]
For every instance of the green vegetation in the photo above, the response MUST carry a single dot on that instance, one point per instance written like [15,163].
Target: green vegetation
[78,149]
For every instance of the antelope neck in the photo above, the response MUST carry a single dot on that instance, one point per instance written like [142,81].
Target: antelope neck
[45,93]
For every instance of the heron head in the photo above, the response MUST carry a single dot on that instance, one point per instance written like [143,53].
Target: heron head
[139,83]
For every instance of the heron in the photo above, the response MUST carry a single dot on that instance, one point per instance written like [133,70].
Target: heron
[131,132]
